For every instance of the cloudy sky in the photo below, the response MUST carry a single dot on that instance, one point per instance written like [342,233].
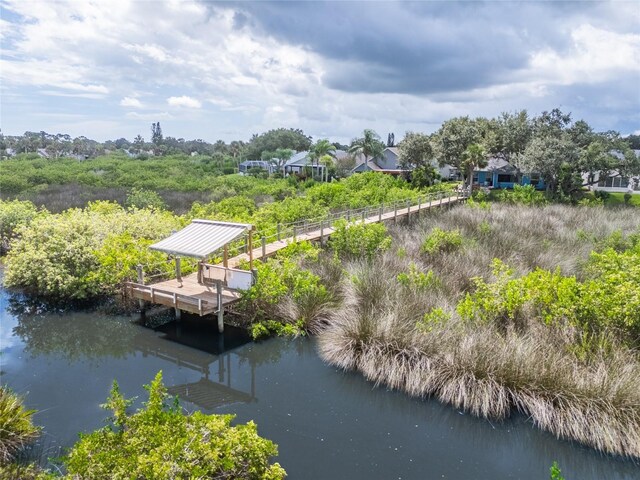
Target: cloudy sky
[108,68]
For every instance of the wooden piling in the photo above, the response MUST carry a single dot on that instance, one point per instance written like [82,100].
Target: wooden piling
[220,307]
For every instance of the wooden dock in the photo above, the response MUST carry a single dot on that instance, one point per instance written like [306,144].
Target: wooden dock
[203,296]
[187,295]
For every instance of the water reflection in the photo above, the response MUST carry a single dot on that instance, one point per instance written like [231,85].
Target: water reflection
[327,423]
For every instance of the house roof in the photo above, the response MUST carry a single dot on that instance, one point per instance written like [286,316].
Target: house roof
[254,163]
[393,150]
[300,158]
[496,164]
[201,238]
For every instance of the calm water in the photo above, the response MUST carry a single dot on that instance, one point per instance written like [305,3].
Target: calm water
[328,424]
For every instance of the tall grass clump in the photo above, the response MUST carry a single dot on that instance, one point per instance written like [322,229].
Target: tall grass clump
[526,333]
[16,428]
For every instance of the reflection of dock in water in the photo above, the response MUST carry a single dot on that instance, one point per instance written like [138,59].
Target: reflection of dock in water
[206,393]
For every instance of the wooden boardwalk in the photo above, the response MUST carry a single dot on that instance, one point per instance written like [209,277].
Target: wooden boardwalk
[189,295]
[271,249]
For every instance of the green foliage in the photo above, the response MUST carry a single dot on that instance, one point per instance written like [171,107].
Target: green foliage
[16,427]
[524,195]
[17,471]
[159,441]
[359,239]
[143,198]
[442,241]
[277,278]
[508,300]
[416,280]
[609,301]
[434,319]
[83,253]
[556,473]
[268,328]
[13,214]
[279,138]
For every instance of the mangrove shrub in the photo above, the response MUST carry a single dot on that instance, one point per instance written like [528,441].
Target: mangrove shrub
[160,441]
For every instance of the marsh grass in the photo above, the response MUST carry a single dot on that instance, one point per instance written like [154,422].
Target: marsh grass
[16,429]
[489,369]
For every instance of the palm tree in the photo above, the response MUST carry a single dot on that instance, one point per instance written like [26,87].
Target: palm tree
[321,149]
[474,156]
[369,146]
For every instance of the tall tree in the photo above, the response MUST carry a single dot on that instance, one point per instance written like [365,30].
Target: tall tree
[414,151]
[369,146]
[451,142]
[156,134]
[290,138]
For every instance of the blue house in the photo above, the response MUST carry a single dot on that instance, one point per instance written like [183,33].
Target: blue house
[501,174]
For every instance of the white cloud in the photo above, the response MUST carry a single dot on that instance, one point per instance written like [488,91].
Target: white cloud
[196,64]
[130,102]
[597,55]
[184,101]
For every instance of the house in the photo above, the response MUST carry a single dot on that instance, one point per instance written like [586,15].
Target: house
[614,182]
[501,174]
[247,165]
[389,164]
[301,160]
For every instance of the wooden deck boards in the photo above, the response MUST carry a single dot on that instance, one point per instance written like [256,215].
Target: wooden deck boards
[191,296]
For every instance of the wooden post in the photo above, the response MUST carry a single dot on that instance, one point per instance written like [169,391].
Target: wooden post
[380,213]
[178,270]
[419,203]
[250,247]
[245,247]
[295,232]
[321,232]
[200,306]
[304,227]
[264,248]
[364,214]
[220,308]
[225,256]
[408,210]
[140,271]
[430,199]
[141,282]
[278,234]
[395,212]
[348,216]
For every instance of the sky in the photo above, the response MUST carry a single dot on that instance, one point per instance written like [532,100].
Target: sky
[108,69]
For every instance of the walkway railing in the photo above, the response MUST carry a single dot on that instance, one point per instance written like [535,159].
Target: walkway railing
[292,231]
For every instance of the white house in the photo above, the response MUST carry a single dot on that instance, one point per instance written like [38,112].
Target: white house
[614,182]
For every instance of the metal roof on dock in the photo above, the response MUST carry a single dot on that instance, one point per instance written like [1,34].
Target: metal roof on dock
[201,238]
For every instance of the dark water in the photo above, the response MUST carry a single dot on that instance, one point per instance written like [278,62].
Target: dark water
[328,424]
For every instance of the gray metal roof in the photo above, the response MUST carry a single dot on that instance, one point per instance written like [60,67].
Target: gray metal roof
[201,238]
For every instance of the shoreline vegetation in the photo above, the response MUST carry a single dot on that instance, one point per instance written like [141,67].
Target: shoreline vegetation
[500,305]
[553,335]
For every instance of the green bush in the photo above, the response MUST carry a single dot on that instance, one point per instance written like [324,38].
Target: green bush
[359,240]
[442,241]
[16,428]
[416,280]
[80,254]
[142,198]
[13,214]
[159,441]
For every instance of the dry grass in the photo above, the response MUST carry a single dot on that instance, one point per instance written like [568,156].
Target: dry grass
[484,369]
